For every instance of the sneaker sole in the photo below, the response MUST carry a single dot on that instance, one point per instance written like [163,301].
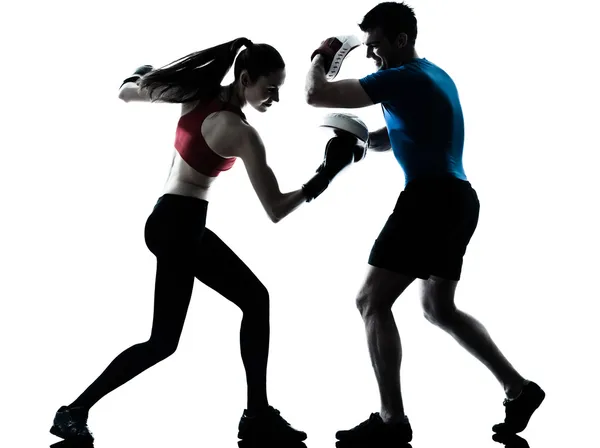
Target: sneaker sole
[268,436]
[56,432]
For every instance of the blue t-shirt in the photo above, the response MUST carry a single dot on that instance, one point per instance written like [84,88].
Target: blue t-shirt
[423,117]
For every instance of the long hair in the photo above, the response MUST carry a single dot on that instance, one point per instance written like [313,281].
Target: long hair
[198,76]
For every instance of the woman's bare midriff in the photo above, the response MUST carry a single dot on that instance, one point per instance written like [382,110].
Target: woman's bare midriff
[183,179]
[186,181]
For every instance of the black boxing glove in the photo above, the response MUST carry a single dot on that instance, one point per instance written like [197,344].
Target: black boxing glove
[137,75]
[359,149]
[339,153]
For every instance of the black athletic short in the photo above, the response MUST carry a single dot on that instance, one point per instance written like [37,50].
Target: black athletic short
[429,229]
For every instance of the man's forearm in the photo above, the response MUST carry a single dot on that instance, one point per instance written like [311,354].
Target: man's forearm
[315,79]
[379,140]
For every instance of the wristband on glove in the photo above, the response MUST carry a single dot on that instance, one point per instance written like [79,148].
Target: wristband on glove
[316,185]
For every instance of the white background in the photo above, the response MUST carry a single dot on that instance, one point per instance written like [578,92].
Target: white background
[81,171]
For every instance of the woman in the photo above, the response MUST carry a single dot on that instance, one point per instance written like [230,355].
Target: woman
[212,132]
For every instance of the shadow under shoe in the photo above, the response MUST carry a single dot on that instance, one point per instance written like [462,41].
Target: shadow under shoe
[269,443]
[71,423]
[73,443]
[520,410]
[375,432]
[267,425]
[380,444]
[510,440]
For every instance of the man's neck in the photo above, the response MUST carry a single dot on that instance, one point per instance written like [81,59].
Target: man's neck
[409,56]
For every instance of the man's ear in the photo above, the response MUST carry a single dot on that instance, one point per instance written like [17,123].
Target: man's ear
[401,40]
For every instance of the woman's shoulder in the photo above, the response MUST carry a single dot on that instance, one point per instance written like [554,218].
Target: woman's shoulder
[233,131]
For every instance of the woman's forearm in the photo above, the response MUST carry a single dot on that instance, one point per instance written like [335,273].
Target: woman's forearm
[287,204]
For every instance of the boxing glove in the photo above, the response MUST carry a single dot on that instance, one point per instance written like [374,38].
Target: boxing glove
[339,153]
[137,75]
[359,149]
[344,124]
[334,50]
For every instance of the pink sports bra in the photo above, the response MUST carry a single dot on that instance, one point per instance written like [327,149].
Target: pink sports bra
[190,143]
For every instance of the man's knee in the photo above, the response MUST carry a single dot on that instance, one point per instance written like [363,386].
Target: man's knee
[438,312]
[438,300]
[438,317]
[369,303]
[380,290]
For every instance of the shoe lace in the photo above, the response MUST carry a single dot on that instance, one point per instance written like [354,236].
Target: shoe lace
[373,418]
[276,414]
[508,402]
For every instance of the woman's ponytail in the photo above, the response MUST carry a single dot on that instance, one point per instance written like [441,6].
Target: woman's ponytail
[197,76]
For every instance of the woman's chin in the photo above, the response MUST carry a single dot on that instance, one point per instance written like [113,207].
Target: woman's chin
[262,107]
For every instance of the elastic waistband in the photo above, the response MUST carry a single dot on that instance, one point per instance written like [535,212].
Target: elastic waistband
[435,182]
[188,202]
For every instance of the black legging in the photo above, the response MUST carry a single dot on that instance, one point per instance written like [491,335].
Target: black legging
[185,249]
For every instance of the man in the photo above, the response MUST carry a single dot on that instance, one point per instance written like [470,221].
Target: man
[435,217]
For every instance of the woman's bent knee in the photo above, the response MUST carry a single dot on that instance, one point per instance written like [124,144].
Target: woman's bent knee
[160,349]
[257,301]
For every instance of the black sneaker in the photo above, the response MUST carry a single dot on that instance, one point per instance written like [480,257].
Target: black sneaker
[520,410]
[375,430]
[71,423]
[268,425]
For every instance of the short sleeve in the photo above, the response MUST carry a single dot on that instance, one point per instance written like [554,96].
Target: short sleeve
[386,85]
